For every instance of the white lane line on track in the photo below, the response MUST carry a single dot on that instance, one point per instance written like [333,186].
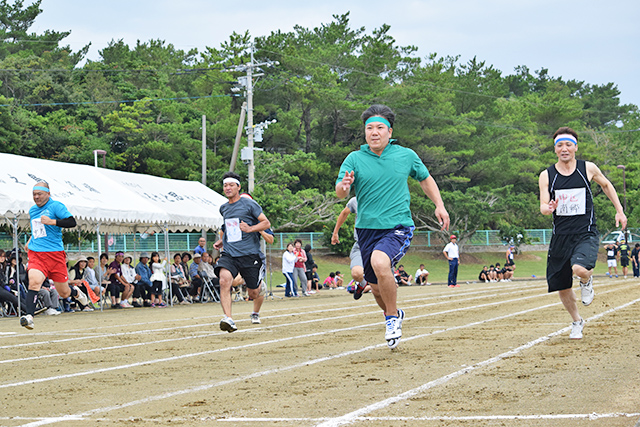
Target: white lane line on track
[204,387]
[347,305]
[591,417]
[275,341]
[352,416]
[152,331]
[207,334]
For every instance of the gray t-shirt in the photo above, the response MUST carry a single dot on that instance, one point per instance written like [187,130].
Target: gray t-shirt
[352,204]
[236,242]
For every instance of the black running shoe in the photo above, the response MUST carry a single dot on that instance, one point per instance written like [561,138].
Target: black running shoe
[358,292]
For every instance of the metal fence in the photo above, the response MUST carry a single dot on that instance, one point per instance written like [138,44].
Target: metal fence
[181,242]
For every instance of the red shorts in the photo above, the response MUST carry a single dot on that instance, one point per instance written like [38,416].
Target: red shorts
[52,264]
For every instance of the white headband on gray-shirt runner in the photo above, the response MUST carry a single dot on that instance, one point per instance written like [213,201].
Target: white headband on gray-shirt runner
[228,180]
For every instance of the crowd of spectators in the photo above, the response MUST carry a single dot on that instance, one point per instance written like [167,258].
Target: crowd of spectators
[117,283]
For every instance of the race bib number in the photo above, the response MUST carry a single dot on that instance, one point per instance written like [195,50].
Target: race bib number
[37,229]
[571,202]
[610,253]
[232,229]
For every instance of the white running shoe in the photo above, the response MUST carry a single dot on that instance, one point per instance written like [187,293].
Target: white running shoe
[51,312]
[227,324]
[394,330]
[576,330]
[27,321]
[255,318]
[587,292]
[81,297]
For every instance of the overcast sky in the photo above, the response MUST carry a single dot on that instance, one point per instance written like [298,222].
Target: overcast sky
[590,40]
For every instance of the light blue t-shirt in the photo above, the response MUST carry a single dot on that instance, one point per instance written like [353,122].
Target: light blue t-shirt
[381,187]
[47,238]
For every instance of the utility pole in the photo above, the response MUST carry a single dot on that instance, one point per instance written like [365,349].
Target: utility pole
[248,83]
[204,158]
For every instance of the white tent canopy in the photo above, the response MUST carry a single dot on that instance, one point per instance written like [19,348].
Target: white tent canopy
[115,201]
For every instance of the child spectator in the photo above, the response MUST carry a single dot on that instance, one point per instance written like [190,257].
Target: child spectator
[339,280]
[288,262]
[421,276]
[484,275]
[330,281]
[157,277]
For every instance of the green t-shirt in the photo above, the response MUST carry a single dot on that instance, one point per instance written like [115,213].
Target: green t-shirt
[380,184]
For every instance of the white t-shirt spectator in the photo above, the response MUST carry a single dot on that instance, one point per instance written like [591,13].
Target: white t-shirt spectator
[420,272]
[452,250]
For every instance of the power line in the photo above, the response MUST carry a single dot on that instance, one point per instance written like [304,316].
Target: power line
[128,101]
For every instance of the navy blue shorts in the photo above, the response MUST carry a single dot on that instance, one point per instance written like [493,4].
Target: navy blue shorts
[393,242]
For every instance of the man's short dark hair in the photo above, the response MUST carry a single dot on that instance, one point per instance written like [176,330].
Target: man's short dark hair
[89,258]
[231,175]
[379,110]
[566,131]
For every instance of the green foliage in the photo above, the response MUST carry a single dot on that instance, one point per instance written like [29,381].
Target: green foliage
[483,135]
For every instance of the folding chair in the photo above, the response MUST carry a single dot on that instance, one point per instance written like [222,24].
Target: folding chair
[209,291]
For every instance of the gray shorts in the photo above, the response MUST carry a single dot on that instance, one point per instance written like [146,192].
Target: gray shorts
[356,256]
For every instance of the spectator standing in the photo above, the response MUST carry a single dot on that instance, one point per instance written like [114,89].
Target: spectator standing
[422,276]
[288,262]
[157,279]
[624,257]
[635,260]
[202,246]
[612,256]
[452,253]
[510,262]
[308,266]
[299,269]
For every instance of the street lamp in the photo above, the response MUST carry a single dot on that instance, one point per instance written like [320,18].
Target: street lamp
[624,195]
[104,158]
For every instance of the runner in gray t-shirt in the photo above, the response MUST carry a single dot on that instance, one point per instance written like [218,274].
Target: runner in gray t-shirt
[240,245]
[357,269]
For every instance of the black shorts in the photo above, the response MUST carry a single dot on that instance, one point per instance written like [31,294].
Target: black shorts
[509,263]
[624,261]
[250,267]
[565,251]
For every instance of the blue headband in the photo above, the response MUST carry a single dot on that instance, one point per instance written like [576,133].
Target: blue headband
[563,137]
[378,119]
[37,187]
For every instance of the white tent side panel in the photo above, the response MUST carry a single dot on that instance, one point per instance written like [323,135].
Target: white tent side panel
[93,196]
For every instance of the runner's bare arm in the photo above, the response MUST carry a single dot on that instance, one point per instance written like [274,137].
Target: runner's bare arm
[431,190]
[610,191]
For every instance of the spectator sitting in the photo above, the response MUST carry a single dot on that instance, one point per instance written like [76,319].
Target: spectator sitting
[339,280]
[6,296]
[330,281]
[207,271]
[76,278]
[50,298]
[130,276]
[194,275]
[90,276]
[507,273]
[202,246]
[402,277]
[421,276]
[118,286]
[484,275]
[493,276]
[143,285]
[186,257]
[10,274]
[178,279]
[499,272]
[315,279]
[104,272]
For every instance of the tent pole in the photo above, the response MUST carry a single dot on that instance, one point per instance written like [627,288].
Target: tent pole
[166,254]
[15,247]
[99,269]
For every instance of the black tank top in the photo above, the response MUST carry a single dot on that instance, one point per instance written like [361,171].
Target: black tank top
[574,214]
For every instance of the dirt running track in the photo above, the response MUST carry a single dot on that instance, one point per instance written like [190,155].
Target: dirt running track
[495,354]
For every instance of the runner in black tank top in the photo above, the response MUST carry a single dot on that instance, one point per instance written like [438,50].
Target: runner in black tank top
[565,192]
